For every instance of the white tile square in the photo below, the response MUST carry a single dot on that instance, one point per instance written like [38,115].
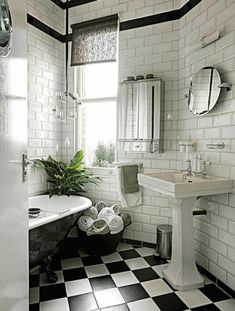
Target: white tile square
[124,247]
[43,278]
[145,251]
[137,263]
[124,278]
[193,298]
[57,304]
[111,258]
[144,304]
[158,269]
[226,305]
[34,295]
[156,287]
[109,297]
[78,287]
[71,263]
[96,270]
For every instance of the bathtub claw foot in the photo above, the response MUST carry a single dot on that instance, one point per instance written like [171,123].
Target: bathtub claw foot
[52,276]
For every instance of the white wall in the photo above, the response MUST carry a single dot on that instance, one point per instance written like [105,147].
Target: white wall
[45,78]
[162,49]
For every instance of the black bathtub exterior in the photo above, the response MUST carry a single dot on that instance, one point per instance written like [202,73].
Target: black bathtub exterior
[46,240]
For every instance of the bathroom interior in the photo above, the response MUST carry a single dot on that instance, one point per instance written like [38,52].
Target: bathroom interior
[136,97]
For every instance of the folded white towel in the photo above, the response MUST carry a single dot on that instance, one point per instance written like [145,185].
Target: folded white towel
[105,213]
[115,224]
[99,205]
[92,212]
[85,222]
[99,226]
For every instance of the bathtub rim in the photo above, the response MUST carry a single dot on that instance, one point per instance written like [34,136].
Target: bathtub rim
[37,222]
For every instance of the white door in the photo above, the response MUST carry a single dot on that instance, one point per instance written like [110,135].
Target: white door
[13,142]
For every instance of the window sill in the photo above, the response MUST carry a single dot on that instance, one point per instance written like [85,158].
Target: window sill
[103,171]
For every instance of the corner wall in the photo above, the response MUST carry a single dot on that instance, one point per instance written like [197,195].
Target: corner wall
[45,78]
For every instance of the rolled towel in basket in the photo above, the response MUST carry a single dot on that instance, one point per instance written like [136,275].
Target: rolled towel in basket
[126,217]
[91,212]
[115,208]
[99,205]
[85,222]
[106,212]
[99,226]
[115,224]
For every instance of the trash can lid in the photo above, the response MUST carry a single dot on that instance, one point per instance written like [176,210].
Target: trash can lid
[164,228]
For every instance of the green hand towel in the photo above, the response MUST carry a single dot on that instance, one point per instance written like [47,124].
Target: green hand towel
[129,183]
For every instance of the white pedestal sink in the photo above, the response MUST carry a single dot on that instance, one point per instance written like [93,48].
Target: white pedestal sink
[182,272]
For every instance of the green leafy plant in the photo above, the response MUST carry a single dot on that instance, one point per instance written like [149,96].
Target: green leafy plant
[67,179]
[104,155]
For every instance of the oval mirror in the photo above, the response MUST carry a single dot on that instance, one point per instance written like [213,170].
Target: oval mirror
[5,29]
[204,91]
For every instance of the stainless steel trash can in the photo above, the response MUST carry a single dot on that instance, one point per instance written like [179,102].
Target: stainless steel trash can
[164,241]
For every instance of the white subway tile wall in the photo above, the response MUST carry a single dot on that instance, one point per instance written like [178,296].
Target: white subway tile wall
[163,49]
[45,79]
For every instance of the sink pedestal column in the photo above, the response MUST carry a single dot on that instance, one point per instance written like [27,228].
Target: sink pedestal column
[182,272]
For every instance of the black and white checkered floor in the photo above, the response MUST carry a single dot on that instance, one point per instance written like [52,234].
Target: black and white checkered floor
[129,279]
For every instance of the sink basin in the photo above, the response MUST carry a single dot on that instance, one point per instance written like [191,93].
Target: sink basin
[176,185]
[182,191]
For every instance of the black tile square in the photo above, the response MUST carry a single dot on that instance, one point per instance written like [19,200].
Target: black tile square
[85,302]
[210,307]
[102,282]
[52,292]
[34,280]
[214,293]
[91,260]
[68,251]
[155,260]
[56,264]
[118,266]
[170,302]
[145,274]
[123,307]
[74,274]
[131,253]
[34,307]
[133,292]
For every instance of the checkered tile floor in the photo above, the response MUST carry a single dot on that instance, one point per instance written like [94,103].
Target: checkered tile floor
[129,279]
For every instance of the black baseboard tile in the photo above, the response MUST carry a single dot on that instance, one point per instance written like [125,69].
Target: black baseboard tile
[223,286]
[227,289]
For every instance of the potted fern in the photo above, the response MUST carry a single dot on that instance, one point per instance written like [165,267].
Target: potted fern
[67,179]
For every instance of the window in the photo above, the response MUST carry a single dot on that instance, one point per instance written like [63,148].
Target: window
[97,86]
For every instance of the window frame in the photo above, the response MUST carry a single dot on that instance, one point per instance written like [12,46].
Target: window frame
[79,85]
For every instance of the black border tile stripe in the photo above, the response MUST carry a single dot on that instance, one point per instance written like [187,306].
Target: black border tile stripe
[45,28]
[131,24]
[159,18]
[150,20]
[73,3]
[60,3]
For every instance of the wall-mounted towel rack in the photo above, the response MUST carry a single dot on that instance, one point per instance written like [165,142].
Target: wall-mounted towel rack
[220,145]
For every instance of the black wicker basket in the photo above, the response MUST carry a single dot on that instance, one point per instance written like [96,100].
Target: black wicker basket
[99,244]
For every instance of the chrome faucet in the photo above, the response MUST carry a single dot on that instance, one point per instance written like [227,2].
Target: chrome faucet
[204,171]
[188,171]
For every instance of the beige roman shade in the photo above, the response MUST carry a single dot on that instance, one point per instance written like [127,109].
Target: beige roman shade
[95,41]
